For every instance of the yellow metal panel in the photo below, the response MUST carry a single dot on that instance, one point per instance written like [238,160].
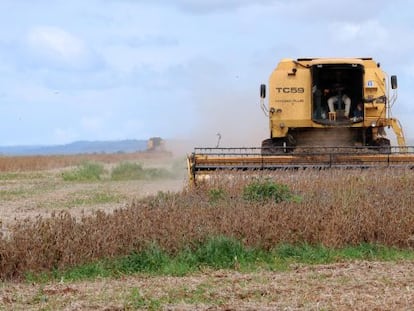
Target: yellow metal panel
[320,61]
[375,110]
[290,93]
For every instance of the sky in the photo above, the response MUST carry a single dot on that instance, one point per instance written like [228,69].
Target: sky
[179,69]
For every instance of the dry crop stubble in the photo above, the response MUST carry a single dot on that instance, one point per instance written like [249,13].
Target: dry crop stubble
[341,286]
[347,206]
[48,162]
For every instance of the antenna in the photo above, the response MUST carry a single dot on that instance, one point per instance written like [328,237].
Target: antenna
[218,140]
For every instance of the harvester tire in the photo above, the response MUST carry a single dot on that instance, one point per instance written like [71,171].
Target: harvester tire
[383,144]
[268,148]
[273,146]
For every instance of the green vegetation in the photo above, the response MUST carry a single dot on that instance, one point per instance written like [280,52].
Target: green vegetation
[135,171]
[305,253]
[136,300]
[93,197]
[16,192]
[222,253]
[10,194]
[257,191]
[215,195]
[21,175]
[87,171]
[127,171]
[267,190]
[92,171]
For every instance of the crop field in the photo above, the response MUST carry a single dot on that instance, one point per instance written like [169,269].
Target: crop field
[125,232]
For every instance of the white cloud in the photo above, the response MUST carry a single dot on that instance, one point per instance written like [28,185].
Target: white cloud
[53,46]
[57,42]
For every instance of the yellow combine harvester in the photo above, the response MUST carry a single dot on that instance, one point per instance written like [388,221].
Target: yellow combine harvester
[323,112]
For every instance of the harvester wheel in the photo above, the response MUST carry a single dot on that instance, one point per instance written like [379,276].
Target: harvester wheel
[267,147]
[383,144]
[273,146]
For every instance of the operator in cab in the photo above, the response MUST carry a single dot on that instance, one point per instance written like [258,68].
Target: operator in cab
[337,97]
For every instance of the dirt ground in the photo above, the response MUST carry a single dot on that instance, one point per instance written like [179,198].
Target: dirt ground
[342,286]
[31,194]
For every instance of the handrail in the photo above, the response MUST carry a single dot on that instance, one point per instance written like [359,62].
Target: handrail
[297,151]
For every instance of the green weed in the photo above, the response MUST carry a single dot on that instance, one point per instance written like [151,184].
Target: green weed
[87,171]
[8,195]
[136,300]
[305,253]
[215,195]
[90,198]
[127,171]
[267,190]
[150,260]
[135,171]
[221,253]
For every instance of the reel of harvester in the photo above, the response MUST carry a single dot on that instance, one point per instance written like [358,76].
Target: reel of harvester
[204,162]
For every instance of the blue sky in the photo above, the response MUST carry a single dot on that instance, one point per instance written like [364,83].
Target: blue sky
[182,69]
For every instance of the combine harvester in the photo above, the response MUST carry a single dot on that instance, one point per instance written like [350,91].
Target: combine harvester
[323,113]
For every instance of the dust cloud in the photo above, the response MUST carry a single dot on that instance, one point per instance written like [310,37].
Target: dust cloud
[229,120]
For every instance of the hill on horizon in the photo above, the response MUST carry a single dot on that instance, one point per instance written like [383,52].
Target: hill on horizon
[78,147]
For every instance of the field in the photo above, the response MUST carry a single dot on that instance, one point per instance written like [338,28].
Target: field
[59,213]
[32,186]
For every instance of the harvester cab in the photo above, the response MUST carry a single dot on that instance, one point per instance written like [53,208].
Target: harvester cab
[337,94]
